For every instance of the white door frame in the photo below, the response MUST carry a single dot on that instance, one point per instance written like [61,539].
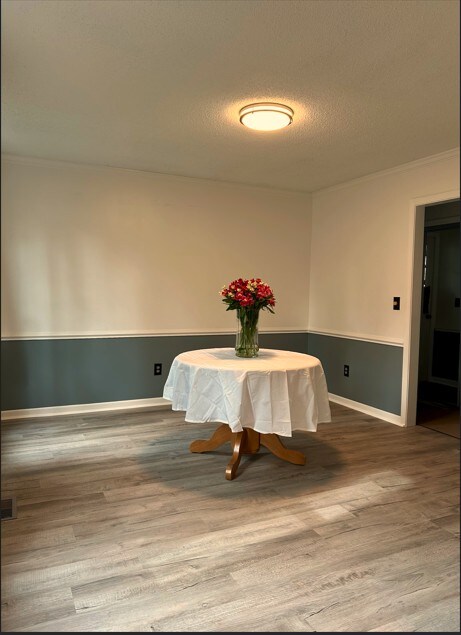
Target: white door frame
[415,281]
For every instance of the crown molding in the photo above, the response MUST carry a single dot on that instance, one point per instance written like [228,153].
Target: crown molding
[19,159]
[404,167]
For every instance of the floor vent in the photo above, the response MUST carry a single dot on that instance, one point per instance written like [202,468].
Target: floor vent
[8,508]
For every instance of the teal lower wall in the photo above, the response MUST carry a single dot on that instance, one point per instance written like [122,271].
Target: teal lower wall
[375,370]
[44,373]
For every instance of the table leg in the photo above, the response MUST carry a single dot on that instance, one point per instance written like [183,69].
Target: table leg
[221,435]
[246,442]
[273,444]
[231,469]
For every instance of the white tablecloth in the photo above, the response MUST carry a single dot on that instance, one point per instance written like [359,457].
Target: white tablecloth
[277,392]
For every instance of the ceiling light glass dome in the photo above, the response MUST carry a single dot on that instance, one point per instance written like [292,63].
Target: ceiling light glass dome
[266,116]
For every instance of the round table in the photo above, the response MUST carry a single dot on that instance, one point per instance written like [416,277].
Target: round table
[256,400]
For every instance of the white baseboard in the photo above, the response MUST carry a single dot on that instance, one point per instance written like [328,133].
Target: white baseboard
[158,403]
[368,410]
[155,403]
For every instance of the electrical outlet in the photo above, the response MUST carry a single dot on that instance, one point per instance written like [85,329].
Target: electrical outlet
[157,369]
[346,370]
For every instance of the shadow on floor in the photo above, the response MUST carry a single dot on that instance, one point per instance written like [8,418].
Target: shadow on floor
[438,408]
[444,419]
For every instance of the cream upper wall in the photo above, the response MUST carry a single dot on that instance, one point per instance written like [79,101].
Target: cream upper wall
[88,251]
[361,248]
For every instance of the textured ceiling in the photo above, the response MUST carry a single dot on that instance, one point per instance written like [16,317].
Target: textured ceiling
[157,85]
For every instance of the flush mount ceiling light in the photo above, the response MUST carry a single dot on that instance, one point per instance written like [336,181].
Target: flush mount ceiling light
[266,116]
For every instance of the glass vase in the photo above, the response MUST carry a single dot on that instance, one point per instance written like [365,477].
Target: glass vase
[246,343]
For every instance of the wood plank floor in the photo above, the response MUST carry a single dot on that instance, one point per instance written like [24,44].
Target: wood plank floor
[120,528]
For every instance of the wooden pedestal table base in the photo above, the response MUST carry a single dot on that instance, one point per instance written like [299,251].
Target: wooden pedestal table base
[246,442]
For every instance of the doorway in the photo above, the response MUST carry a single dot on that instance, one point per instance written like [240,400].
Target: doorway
[438,396]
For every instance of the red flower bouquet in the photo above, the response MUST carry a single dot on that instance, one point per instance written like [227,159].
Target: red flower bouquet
[248,297]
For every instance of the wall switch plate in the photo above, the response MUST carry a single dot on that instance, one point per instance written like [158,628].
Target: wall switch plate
[396,305]
[346,370]
[157,369]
